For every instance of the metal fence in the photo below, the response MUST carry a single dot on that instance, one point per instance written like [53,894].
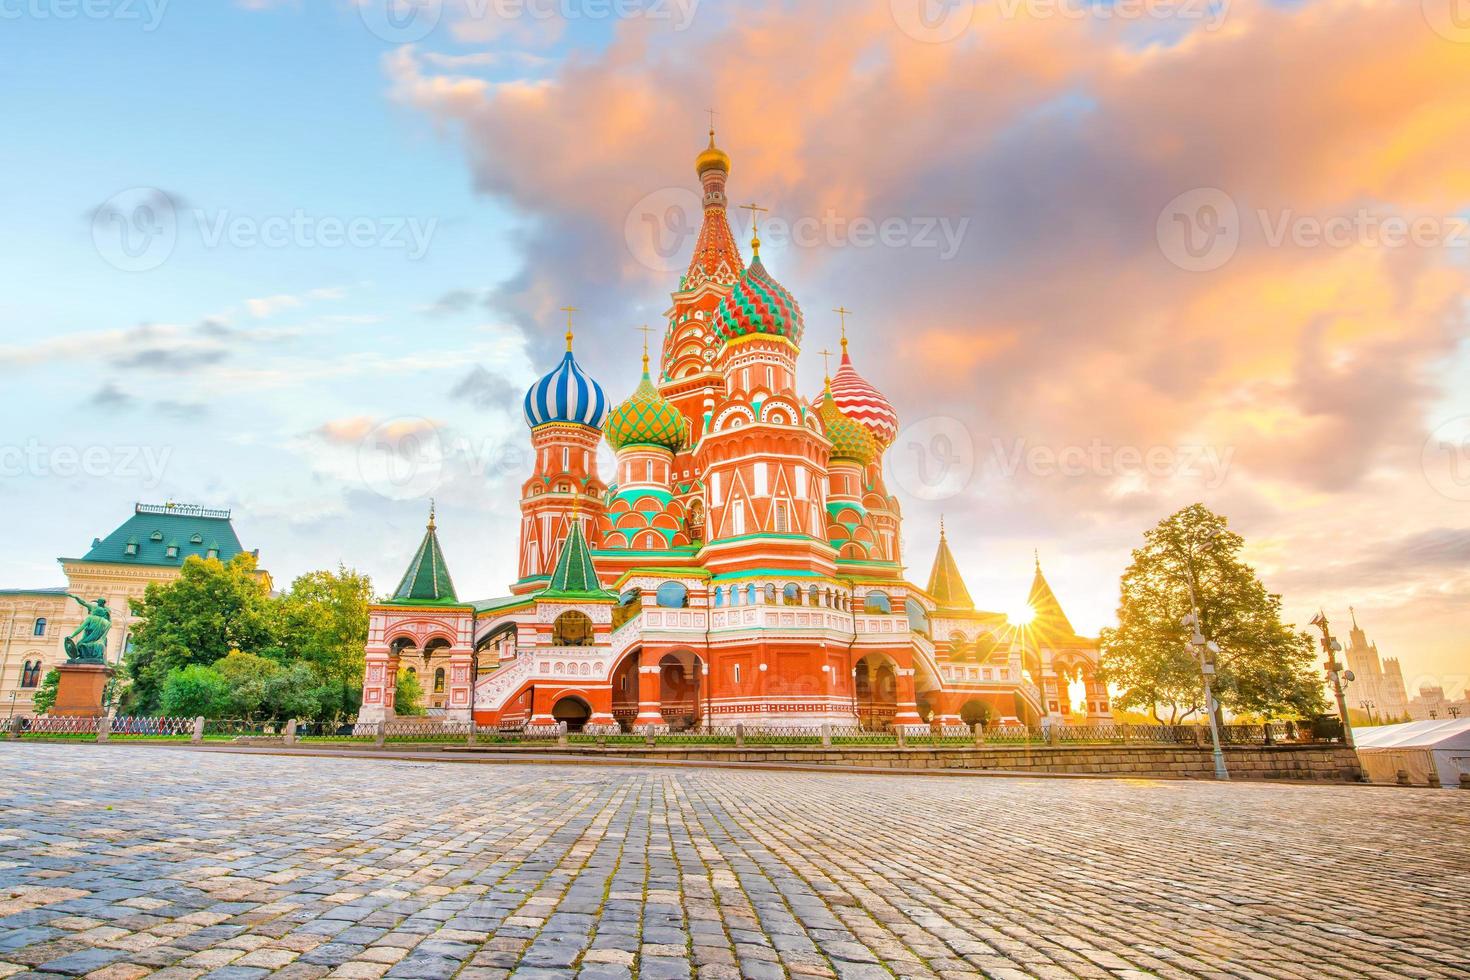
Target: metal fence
[432,731]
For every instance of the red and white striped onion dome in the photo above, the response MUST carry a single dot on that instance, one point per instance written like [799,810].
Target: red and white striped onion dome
[863,403]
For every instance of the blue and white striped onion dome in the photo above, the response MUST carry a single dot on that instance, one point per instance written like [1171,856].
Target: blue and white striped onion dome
[567,394]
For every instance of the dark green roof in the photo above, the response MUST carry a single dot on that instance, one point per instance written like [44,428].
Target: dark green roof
[575,576]
[427,578]
[153,528]
[945,583]
[53,591]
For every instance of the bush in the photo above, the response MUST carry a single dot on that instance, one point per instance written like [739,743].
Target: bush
[194,690]
[409,699]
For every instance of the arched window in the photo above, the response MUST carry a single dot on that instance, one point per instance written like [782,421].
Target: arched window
[40,629]
[439,681]
[813,596]
[770,594]
[791,595]
[30,673]
[750,594]
[719,596]
[918,618]
[673,595]
[877,602]
[572,629]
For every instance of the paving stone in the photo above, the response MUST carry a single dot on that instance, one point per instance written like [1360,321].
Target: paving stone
[236,866]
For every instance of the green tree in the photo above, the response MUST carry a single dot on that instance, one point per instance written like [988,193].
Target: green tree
[324,621]
[195,690]
[247,675]
[1263,667]
[45,695]
[212,610]
[409,698]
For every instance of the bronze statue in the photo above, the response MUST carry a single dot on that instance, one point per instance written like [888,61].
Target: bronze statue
[92,647]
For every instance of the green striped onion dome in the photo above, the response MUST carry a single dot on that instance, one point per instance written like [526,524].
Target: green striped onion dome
[759,305]
[850,439]
[646,419]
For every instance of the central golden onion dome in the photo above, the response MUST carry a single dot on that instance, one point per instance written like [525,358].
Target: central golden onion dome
[713,158]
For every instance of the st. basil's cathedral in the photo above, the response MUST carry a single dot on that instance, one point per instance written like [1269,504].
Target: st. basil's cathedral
[743,564]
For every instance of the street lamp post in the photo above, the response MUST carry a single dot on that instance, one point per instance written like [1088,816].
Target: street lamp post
[1339,677]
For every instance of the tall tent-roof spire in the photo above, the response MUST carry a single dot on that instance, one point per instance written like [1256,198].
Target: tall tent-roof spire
[716,255]
[945,582]
[1049,617]
[575,575]
[427,578]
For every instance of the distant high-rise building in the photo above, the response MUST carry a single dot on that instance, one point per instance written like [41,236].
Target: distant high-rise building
[1378,685]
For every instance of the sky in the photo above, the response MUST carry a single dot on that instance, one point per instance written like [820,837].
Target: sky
[302,259]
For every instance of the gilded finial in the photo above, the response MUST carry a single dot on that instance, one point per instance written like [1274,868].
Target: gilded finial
[432,509]
[646,330]
[842,312]
[941,527]
[755,230]
[1036,553]
[827,365]
[569,310]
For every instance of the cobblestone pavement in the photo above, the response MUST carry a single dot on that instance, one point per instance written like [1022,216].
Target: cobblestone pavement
[121,861]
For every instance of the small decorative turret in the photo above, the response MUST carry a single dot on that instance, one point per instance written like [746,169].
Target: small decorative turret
[427,578]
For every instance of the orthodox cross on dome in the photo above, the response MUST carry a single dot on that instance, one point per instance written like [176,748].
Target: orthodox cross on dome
[711,121]
[842,312]
[569,310]
[431,513]
[755,229]
[827,365]
[646,329]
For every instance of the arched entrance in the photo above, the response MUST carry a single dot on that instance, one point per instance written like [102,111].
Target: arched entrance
[573,712]
[875,686]
[976,712]
[679,690]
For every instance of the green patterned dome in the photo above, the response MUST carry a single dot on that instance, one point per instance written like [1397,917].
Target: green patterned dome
[850,439]
[758,304]
[646,419]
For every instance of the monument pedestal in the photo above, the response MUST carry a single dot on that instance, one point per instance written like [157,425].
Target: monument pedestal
[79,693]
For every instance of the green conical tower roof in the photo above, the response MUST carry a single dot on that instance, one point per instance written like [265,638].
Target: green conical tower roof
[1043,601]
[427,578]
[575,576]
[945,583]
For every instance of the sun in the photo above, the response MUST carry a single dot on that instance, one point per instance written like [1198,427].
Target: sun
[1021,615]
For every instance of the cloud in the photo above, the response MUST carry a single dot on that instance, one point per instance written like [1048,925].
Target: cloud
[111,398]
[484,389]
[1061,317]
[455,301]
[168,359]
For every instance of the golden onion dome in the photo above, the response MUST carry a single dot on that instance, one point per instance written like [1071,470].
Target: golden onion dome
[850,440]
[713,158]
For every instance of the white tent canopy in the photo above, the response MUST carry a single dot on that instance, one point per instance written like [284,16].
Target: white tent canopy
[1418,748]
